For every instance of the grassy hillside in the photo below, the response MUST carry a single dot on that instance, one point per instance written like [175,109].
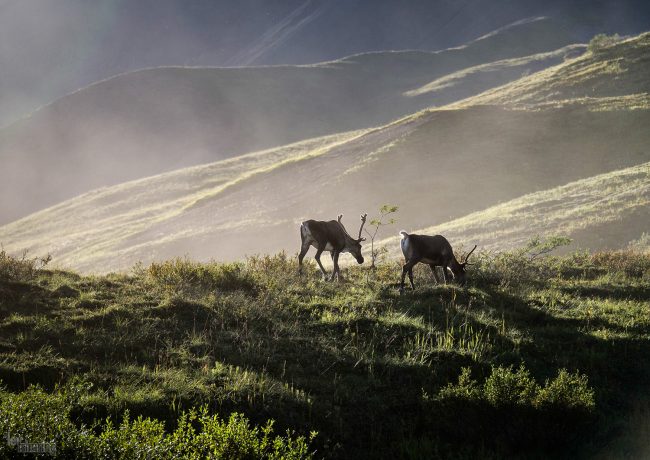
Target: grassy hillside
[155,120]
[540,357]
[611,75]
[437,165]
[604,211]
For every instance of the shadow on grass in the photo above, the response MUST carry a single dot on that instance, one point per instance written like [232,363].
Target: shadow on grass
[609,292]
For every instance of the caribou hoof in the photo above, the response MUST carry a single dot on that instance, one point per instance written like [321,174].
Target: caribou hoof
[401,290]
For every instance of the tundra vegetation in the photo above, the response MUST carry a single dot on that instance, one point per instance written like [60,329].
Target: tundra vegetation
[537,356]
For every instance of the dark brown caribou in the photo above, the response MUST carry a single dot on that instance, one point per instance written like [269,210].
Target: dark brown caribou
[435,251]
[329,236]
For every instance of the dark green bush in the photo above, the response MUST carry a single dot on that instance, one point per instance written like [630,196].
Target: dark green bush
[529,264]
[506,387]
[512,411]
[35,416]
[568,391]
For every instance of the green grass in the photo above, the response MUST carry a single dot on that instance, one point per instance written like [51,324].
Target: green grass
[536,357]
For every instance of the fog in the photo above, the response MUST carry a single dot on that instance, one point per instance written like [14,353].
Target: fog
[156,120]
[101,130]
[51,47]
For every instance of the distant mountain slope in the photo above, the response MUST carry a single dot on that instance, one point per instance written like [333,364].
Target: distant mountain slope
[104,216]
[52,48]
[437,165]
[605,211]
[596,80]
[156,120]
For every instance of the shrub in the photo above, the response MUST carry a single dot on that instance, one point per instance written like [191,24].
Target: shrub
[522,266]
[505,387]
[188,277]
[20,269]
[602,41]
[511,409]
[466,388]
[630,263]
[569,391]
[36,416]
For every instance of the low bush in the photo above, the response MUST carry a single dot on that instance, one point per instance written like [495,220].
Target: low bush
[39,418]
[512,411]
[602,41]
[21,269]
[507,387]
[632,264]
[183,276]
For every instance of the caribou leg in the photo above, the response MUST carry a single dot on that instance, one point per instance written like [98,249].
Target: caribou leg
[303,250]
[317,257]
[411,277]
[435,274]
[444,274]
[335,261]
[408,268]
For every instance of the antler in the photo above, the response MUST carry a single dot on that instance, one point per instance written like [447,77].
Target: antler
[363,221]
[470,253]
[339,218]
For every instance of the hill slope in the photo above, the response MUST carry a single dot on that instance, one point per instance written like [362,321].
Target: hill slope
[436,165]
[55,48]
[155,120]
[375,373]
[615,74]
[610,210]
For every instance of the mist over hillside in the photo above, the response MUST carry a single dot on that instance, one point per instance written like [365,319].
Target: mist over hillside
[156,120]
[52,48]
[607,211]
[437,165]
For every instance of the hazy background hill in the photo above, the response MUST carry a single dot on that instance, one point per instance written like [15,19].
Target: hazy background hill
[50,48]
[437,165]
[150,121]
[610,210]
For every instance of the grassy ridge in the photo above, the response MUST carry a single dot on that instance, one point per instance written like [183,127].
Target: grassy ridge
[435,372]
[254,204]
[538,133]
[121,212]
[601,211]
[604,79]
[155,120]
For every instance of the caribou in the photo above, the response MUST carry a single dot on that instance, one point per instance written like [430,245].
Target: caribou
[329,236]
[435,251]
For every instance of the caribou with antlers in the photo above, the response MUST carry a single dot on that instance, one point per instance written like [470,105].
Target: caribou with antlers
[435,251]
[330,236]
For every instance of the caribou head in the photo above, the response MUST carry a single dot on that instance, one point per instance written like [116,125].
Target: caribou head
[458,269]
[353,245]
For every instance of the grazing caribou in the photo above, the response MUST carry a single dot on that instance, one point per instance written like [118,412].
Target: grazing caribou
[329,236]
[433,251]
